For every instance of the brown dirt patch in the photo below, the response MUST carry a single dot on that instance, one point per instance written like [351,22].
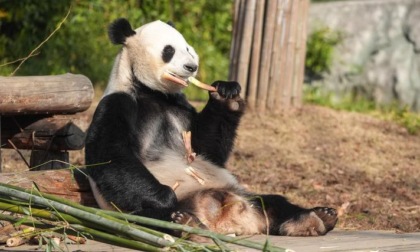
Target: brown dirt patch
[369,169]
[366,167]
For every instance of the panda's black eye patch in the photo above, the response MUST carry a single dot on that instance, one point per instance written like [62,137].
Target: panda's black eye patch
[167,53]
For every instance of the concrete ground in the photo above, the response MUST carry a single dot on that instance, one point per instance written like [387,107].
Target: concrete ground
[337,240]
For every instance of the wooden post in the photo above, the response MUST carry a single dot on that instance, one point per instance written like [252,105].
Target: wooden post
[267,57]
[256,52]
[246,43]
[264,78]
[1,167]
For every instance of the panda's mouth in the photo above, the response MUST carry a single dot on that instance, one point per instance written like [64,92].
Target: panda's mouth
[175,78]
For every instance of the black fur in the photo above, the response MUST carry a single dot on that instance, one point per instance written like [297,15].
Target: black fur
[133,128]
[168,53]
[119,30]
[114,142]
[171,23]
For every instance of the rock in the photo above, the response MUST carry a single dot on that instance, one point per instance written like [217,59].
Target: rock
[379,56]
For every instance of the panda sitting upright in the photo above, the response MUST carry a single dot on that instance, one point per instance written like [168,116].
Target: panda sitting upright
[137,157]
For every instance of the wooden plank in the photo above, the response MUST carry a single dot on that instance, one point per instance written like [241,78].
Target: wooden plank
[341,240]
[65,183]
[59,94]
[337,241]
[256,54]
[41,133]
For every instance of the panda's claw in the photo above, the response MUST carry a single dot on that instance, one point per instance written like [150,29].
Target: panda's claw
[328,215]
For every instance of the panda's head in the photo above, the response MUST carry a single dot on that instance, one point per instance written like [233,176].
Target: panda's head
[158,54]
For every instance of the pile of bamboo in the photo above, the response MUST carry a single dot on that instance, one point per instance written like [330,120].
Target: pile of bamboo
[47,213]
[268,52]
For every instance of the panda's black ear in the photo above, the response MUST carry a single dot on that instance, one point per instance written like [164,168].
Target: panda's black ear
[119,30]
[171,23]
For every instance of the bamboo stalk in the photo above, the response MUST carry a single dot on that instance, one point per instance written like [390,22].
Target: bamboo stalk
[101,218]
[113,239]
[191,230]
[120,241]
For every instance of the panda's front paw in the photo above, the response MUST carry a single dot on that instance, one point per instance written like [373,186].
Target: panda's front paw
[227,89]
[228,92]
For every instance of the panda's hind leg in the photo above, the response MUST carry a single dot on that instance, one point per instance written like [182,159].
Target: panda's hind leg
[314,222]
[224,211]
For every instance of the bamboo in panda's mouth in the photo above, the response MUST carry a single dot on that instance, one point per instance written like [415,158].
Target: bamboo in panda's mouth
[175,78]
[179,80]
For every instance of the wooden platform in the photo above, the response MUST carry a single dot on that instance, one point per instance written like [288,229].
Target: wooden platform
[369,241]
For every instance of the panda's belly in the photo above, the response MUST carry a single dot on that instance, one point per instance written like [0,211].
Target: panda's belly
[172,170]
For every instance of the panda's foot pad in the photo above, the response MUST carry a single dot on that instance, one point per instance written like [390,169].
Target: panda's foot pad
[314,222]
[188,219]
[327,215]
[185,218]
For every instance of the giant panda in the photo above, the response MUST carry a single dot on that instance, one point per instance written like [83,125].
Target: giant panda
[138,161]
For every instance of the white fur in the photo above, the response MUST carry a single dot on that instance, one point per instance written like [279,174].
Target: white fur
[142,52]
[170,170]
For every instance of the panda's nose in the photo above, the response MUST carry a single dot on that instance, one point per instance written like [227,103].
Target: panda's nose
[190,68]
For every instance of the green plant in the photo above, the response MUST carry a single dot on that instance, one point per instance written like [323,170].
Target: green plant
[81,45]
[360,104]
[320,49]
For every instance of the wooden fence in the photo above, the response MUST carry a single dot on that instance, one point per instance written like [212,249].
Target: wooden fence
[268,52]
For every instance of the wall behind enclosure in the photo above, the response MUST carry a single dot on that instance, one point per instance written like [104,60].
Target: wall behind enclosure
[379,56]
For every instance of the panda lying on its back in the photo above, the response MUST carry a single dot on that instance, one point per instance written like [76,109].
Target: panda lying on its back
[136,137]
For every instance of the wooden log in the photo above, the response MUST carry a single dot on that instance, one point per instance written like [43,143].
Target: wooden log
[63,183]
[264,69]
[41,133]
[300,71]
[283,68]
[256,54]
[245,53]
[1,158]
[275,74]
[59,94]
[290,63]
[238,28]
[49,160]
